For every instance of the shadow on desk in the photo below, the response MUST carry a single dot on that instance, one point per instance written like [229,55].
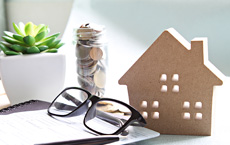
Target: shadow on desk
[173,139]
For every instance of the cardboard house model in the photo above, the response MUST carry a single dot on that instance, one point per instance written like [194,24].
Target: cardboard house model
[171,84]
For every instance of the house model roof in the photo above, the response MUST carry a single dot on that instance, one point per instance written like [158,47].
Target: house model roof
[169,81]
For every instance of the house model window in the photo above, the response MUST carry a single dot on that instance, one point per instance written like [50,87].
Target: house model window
[175,88]
[198,105]
[164,87]
[177,82]
[196,108]
[198,116]
[155,104]
[175,77]
[186,116]
[155,115]
[163,78]
[145,114]
[186,105]
[144,104]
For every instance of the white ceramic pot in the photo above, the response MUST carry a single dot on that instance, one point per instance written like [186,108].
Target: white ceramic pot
[34,76]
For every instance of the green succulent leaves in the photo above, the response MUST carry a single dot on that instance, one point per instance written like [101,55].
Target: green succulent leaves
[29,39]
[32,49]
[29,28]
[40,36]
[18,48]
[8,51]
[17,29]
[18,37]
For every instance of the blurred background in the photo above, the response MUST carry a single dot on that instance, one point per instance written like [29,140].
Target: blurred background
[138,22]
[53,13]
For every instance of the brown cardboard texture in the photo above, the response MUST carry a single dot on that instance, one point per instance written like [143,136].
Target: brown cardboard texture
[171,84]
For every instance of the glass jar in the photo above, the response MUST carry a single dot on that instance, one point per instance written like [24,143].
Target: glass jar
[92,60]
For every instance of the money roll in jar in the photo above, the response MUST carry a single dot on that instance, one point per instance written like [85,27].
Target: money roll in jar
[91,54]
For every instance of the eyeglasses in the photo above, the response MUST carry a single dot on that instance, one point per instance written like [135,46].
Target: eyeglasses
[104,116]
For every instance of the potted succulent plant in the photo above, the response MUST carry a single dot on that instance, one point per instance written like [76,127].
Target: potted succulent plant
[30,68]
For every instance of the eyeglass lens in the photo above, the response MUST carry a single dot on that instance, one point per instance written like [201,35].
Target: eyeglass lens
[107,116]
[68,101]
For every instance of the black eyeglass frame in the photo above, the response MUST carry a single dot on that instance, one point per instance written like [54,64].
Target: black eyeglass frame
[135,118]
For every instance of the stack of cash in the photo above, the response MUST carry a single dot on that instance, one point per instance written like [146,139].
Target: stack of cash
[91,58]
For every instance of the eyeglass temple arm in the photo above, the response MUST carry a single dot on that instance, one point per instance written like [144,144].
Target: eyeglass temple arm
[119,122]
[71,98]
[104,116]
[62,106]
[81,110]
[138,123]
[68,97]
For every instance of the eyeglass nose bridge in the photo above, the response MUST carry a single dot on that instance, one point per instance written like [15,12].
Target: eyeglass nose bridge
[93,98]
[85,105]
[81,109]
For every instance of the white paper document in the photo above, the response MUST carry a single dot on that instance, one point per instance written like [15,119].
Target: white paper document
[32,127]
